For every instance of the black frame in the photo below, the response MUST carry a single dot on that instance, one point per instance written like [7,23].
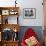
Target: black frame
[27,11]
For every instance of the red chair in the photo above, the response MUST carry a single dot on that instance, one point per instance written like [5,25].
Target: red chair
[29,33]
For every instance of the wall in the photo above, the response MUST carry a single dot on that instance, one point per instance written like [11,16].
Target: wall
[39,13]
[6,3]
[27,4]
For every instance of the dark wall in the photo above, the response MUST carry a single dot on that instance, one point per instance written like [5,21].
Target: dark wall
[37,29]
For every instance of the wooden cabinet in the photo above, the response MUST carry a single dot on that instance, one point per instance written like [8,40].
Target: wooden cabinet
[9,23]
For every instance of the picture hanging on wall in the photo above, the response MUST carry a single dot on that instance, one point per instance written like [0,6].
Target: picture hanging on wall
[29,13]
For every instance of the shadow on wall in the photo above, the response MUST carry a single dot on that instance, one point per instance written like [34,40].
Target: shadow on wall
[37,29]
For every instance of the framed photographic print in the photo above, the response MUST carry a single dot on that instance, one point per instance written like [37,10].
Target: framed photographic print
[29,13]
[5,12]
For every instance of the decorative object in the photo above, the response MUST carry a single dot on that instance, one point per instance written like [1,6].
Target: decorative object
[31,41]
[13,12]
[30,38]
[15,3]
[15,36]
[29,13]
[7,34]
[5,12]
[6,21]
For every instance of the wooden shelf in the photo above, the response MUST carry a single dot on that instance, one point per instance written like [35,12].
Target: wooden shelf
[9,9]
[11,41]
[10,26]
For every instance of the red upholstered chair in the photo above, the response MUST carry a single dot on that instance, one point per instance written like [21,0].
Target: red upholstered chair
[29,33]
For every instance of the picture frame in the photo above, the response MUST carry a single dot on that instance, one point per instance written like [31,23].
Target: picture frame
[5,12]
[29,13]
